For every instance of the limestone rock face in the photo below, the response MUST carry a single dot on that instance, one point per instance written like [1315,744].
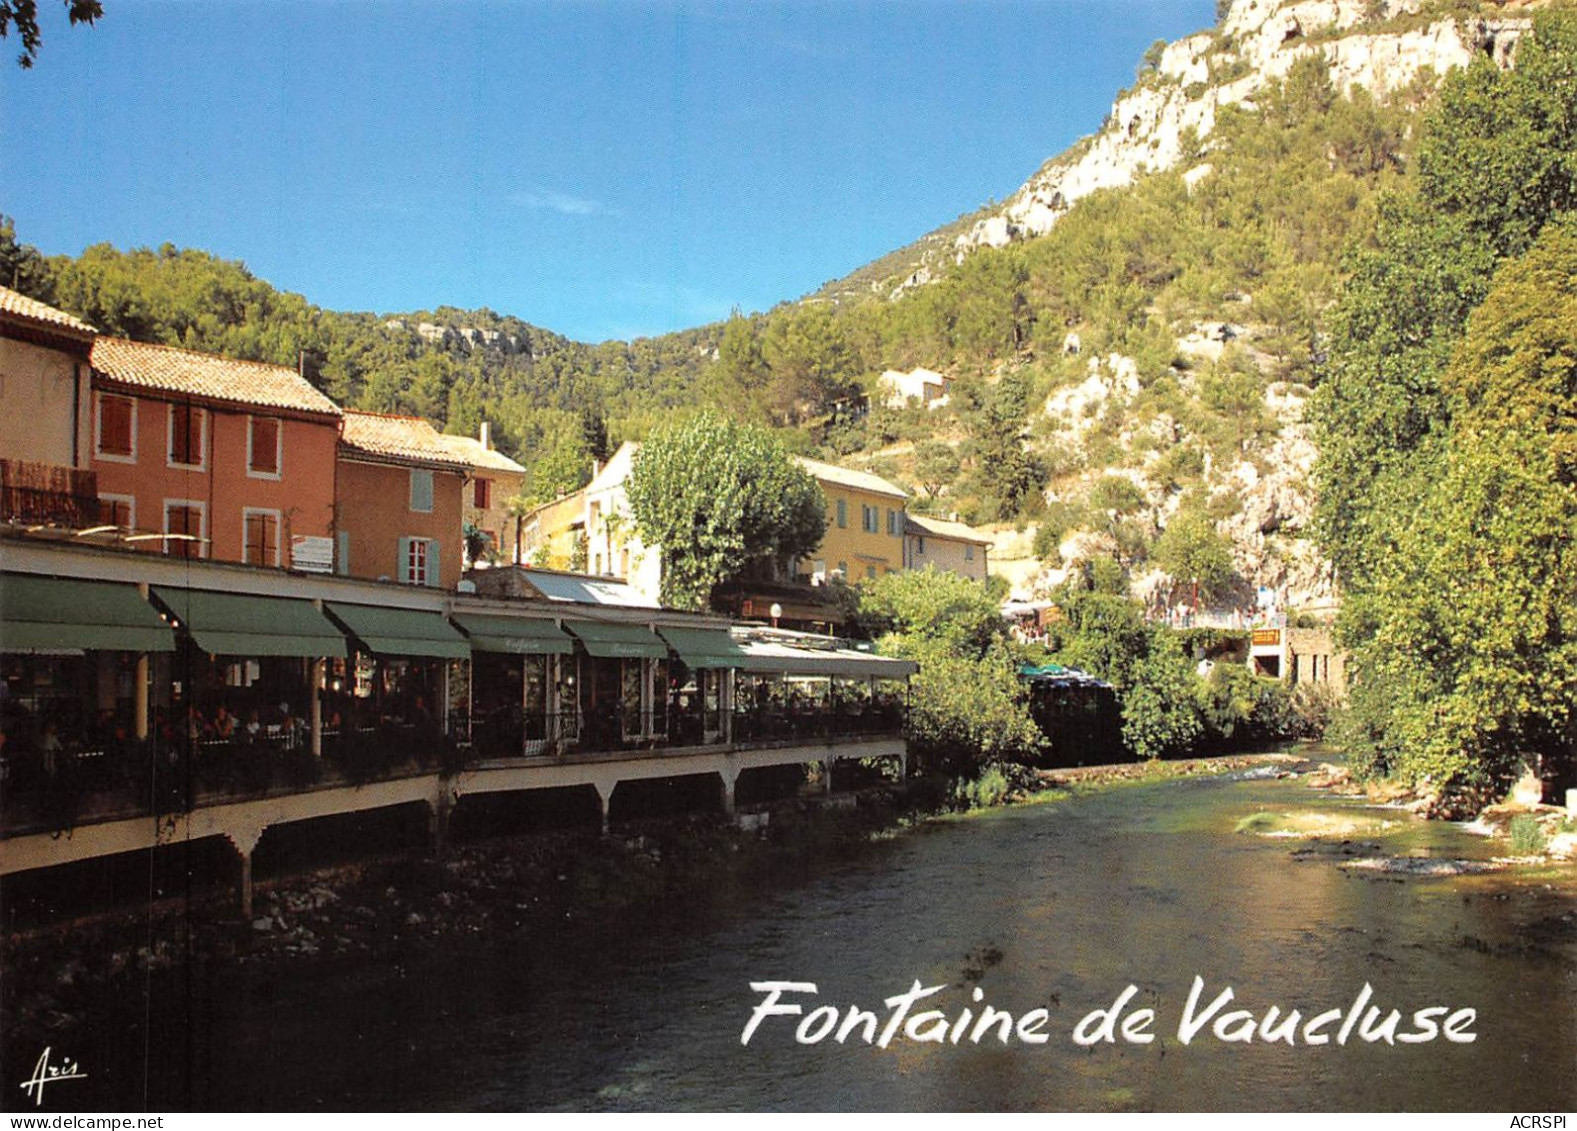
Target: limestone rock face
[1159,124]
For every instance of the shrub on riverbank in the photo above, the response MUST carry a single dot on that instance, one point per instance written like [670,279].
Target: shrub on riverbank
[967,705]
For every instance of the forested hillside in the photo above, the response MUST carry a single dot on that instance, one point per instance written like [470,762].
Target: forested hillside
[1128,381]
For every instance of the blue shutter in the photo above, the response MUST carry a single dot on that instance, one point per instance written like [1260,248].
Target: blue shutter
[342,553]
[402,569]
[432,563]
[422,491]
[843,513]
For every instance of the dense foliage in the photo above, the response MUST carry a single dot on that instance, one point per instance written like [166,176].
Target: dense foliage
[721,500]
[1446,432]
[967,706]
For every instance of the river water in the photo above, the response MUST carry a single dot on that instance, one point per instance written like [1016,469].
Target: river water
[1057,906]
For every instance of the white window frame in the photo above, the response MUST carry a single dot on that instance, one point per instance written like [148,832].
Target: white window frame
[98,429]
[406,572]
[432,490]
[279,449]
[202,522]
[202,438]
[131,508]
[279,533]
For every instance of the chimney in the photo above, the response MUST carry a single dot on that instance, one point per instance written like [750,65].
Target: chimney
[487,436]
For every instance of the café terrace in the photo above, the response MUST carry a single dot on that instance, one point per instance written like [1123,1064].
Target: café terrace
[226,606]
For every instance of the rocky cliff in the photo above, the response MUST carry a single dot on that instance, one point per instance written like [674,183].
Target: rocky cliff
[1167,118]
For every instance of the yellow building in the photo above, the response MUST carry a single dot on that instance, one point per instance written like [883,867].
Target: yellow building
[865,525]
[549,533]
[869,532]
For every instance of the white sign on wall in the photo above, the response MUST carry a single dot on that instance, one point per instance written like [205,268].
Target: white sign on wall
[311,554]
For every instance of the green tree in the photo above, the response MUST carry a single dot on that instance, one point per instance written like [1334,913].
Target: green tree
[1194,552]
[967,705]
[721,500]
[1105,633]
[1444,429]
[936,466]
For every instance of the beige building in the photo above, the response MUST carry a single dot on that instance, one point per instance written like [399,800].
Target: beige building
[495,480]
[945,545]
[45,396]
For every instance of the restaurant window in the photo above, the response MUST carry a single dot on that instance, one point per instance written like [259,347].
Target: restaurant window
[186,435]
[117,428]
[184,520]
[118,511]
[264,442]
[483,497]
[260,537]
[421,490]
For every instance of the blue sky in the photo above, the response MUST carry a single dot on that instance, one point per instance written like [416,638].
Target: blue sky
[599,169]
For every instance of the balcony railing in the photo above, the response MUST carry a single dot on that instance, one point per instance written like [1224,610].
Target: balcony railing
[41,494]
[86,781]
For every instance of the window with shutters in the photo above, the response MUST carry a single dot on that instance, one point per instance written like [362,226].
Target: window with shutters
[421,490]
[119,511]
[185,528]
[416,561]
[843,514]
[260,537]
[483,497]
[187,427]
[116,434]
[264,447]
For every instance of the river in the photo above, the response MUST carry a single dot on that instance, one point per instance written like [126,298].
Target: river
[1057,906]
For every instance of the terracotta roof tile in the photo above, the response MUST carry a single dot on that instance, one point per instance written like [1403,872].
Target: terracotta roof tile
[470,450]
[408,438]
[845,477]
[170,370]
[942,528]
[21,307]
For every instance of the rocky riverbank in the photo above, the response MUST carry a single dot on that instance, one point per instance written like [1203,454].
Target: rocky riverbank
[400,907]
[528,886]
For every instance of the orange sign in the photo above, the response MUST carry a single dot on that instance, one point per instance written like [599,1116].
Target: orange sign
[1267,636]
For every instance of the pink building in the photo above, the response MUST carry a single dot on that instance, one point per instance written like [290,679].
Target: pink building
[208,457]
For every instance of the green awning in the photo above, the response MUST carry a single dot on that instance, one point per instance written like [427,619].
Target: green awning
[228,624]
[514,634]
[704,647]
[618,641]
[402,632]
[56,612]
